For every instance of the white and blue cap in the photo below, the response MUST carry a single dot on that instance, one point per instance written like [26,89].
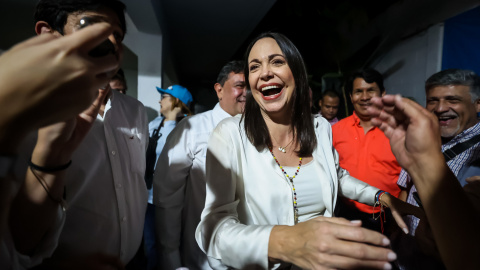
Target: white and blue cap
[179,92]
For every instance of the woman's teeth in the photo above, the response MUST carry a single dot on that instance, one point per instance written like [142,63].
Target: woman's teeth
[271,90]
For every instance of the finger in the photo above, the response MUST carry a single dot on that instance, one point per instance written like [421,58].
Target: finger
[89,37]
[41,39]
[340,221]
[408,107]
[362,235]
[345,262]
[398,218]
[472,179]
[388,118]
[383,126]
[377,107]
[93,110]
[357,250]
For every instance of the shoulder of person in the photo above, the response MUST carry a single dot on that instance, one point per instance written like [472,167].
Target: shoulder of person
[342,123]
[128,100]
[319,122]
[230,122]
[194,120]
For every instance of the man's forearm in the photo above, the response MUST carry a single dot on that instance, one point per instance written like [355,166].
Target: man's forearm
[453,218]
[35,207]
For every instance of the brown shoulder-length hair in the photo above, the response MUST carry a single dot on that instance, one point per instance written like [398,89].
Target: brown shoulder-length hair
[301,118]
[183,107]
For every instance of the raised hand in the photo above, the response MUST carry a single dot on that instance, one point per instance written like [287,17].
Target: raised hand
[413,131]
[415,139]
[56,143]
[35,206]
[48,79]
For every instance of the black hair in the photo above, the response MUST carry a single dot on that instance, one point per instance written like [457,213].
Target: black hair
[120,76]
[301,118]
[369,75]
[456,77]
[330,93]
[56,12]
[232,66]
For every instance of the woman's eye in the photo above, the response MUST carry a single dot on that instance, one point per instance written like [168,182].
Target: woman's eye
[278,62]
[253,67]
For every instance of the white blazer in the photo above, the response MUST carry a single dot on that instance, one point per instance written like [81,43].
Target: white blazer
[247,194]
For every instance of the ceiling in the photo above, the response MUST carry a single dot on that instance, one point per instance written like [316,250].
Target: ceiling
[201,36]
[332,36]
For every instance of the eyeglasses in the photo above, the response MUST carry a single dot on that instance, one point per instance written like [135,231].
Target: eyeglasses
[165,96]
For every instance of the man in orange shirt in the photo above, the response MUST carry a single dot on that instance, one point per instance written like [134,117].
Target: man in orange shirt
[363,148]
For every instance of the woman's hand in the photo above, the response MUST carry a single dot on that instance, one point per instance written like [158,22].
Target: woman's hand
[400,208]
[325,243]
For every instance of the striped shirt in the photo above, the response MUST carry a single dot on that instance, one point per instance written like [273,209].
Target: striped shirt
[461,161]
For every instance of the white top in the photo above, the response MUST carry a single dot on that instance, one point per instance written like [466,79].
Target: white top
[105,189]
[168,126]
[309,198]
[247,194]
[179,190]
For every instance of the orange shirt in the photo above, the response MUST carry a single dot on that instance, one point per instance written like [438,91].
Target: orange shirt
[367,157]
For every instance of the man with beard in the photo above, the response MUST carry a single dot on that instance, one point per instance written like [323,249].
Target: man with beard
[453,96]
[363,149]
[179,179]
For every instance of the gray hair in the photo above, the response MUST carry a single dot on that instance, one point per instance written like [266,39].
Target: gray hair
[456,77]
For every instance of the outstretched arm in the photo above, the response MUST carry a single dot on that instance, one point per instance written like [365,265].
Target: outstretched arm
[45,80]
[36,206]
[415,140]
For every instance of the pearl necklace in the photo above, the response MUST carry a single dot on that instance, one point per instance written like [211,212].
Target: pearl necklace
[295,209]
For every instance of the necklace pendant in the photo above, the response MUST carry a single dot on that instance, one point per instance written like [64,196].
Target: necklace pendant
[282,149]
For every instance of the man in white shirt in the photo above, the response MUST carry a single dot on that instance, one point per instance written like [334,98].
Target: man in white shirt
[179,181]
[102,191]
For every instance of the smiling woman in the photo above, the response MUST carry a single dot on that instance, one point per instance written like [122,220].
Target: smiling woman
[273,178]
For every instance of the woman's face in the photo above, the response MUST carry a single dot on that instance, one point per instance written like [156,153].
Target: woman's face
[166,103]
[270,77]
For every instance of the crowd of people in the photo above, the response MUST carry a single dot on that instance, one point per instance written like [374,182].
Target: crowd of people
[258,182]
